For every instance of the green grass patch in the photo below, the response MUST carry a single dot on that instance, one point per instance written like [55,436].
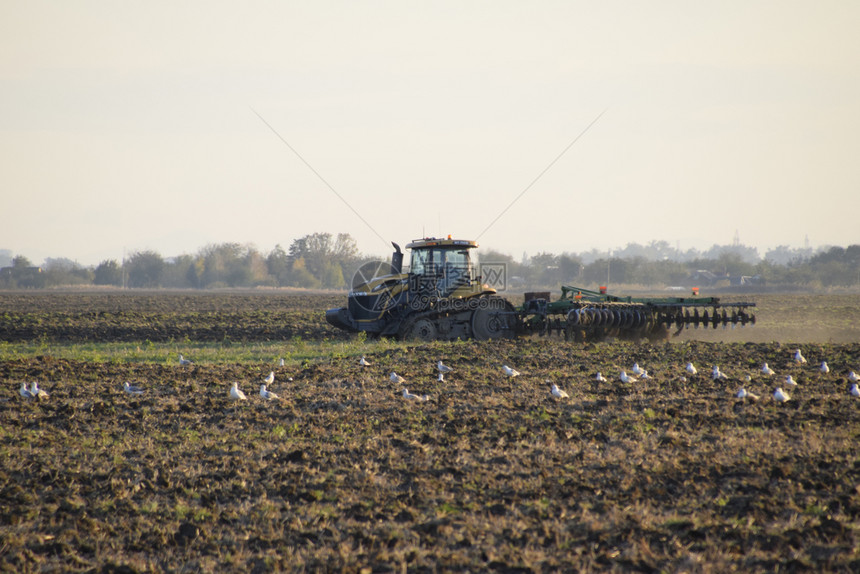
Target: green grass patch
[295,351]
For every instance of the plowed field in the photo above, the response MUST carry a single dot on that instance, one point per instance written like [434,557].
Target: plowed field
[490,473]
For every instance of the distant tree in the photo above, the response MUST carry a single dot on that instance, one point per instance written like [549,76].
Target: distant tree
[180,273]
[592,255]
[783,255]
[192,274]
[616,270]
[108,272]
[770,272]
[493,256]
[513,269]
[733,264]
[232,265]
[332,276]
[569,267]
[836,266]
[5,258]
[544,270]
[345,248]
[21,262]
[219,264]
[278,265]
[22,274]
[633,250]
[145,269]
[319,250]
[310,247]
[743,252]
[301,277]
[258,272]
[63,271]
[670,272]
[314,250]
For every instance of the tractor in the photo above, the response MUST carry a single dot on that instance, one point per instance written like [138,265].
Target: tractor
[441,297]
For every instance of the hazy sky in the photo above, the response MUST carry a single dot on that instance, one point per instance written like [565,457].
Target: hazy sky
[131,125]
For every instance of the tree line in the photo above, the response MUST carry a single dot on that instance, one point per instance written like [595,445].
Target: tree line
[326,261]
[729,265]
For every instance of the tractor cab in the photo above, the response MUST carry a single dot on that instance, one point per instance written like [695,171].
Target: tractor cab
[441,267]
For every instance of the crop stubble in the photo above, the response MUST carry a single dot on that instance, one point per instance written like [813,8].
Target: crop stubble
[491,473]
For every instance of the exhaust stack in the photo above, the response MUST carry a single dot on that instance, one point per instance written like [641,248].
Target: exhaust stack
[396,260]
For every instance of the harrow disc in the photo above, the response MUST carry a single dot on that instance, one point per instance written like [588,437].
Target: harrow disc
[608,318]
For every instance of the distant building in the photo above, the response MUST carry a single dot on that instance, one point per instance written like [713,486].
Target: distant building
[703,277]
[746,280]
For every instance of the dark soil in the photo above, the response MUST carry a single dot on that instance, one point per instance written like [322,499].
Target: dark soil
[491,474]
[160,317]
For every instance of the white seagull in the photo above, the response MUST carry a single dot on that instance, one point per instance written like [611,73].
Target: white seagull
[625,378]
[717,375]
[267,394]
[131,390]
[236,393]
[509,371]
[852,376]
[281,362]
[854,390]
[644,376]
[408,395]
[183,360]
[395,378]
[25,392]
[798,357]
[637,370]
[558,393]
[781,395]
[37,392]
[443,368]
[745,394]
[824,368]
[271,378]
[766,370]
[363,362]
[441,378]
[691,369]
[789,381]
[600,378]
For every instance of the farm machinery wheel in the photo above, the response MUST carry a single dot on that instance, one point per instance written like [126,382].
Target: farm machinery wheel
[493,320]
[420,329]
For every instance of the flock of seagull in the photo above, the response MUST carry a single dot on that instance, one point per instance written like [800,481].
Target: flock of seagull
[779,394]
[33,391]
[236,394]
[638,374]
